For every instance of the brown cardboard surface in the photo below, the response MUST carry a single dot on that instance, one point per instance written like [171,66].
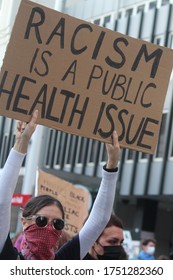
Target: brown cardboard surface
[73,199]
[84,79]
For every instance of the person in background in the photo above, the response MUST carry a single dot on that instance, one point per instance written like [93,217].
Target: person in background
[108,246]
[148,249]
[43,215]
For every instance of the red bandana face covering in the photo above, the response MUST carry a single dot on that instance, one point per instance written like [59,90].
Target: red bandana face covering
[39,242]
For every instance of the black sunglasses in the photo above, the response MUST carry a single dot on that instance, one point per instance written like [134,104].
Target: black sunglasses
[42,221]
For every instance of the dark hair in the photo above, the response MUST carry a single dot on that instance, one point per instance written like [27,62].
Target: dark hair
[115,221]
[146,241]
[38,202]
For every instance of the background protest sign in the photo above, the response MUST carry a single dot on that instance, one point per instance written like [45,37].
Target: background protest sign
[19,199]
[84,79]
[74,200]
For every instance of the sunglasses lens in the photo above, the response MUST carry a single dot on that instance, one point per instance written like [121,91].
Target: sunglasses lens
[41,221]
[58,224]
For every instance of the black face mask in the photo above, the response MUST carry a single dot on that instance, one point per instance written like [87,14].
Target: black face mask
[111,253]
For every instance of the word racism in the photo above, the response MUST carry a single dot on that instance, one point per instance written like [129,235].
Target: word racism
[84,79]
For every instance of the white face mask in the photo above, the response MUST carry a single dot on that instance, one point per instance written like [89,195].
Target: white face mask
[150,250]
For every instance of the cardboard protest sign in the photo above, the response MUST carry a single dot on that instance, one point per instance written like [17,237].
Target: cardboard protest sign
[74,200]
[84,79]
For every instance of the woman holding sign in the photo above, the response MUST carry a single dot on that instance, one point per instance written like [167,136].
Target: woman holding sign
[43,216]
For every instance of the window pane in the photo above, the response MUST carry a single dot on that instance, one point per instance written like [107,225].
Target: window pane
[144,156]
[158,41]
[130,154]
[119,15]
[97,21]
[129,12]
[140,8]
[106,20]
[152,5]
[161,142]
[171,41]
[164,2]
[80,150]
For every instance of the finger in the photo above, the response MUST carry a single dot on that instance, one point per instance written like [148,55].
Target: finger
[115,138]
[23,125]
[34,117]
[19,125]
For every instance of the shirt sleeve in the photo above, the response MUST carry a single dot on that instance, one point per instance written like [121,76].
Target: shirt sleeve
[8,180]
[70,250]
[100,213]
